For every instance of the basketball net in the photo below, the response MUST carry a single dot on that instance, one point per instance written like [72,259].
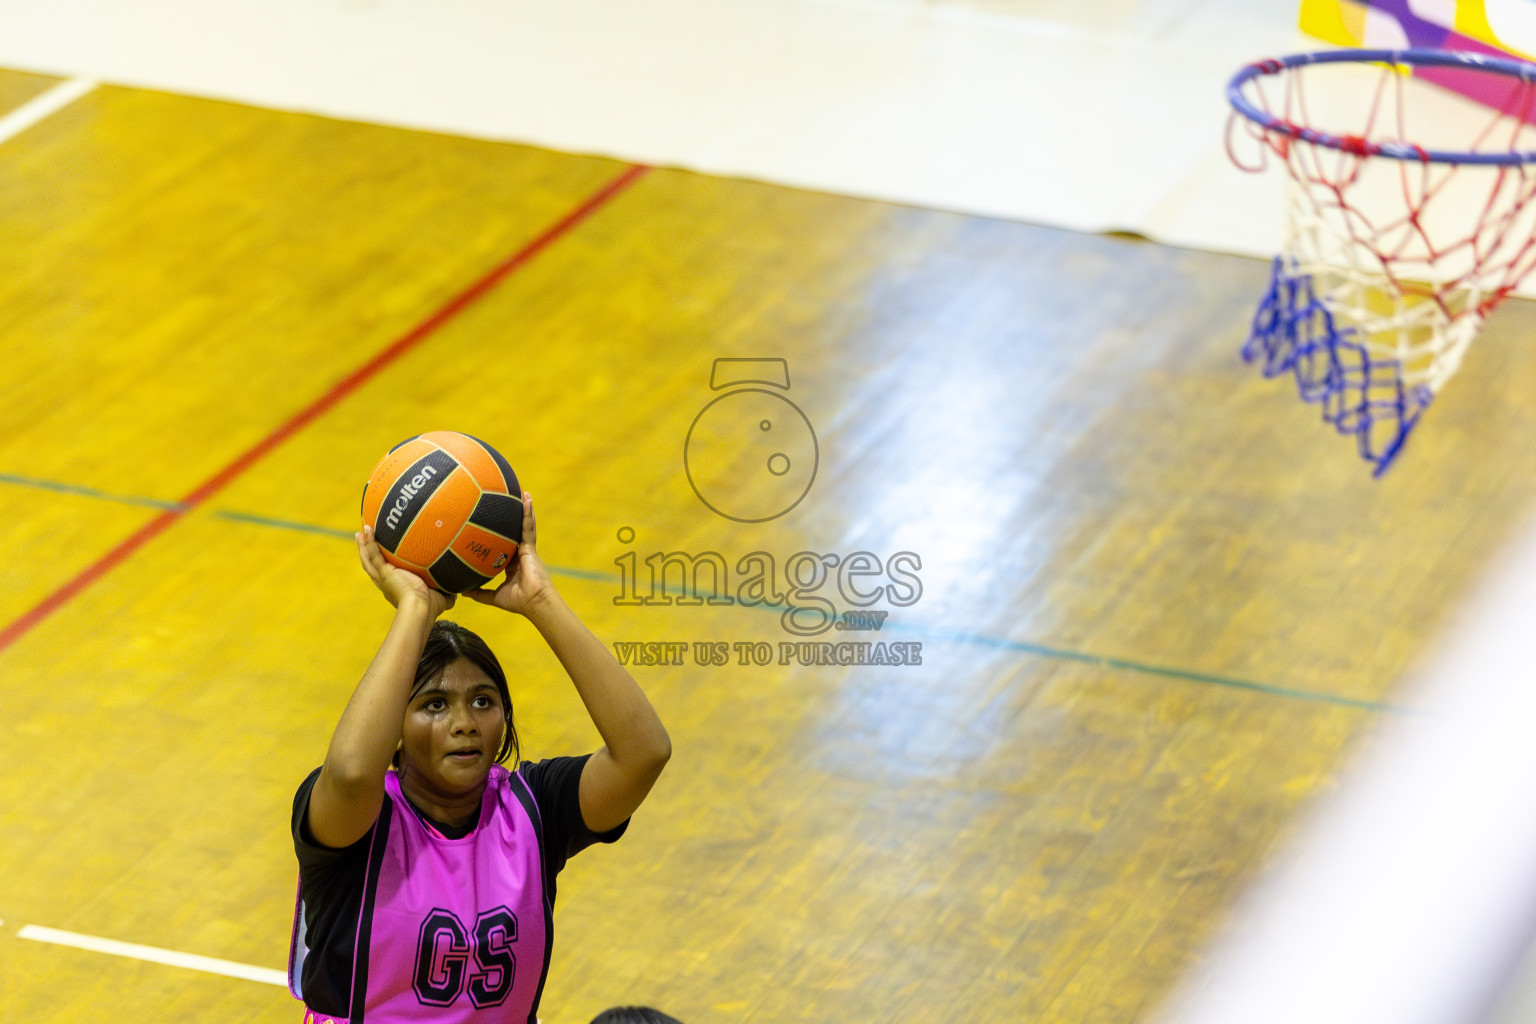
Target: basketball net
[1396,250]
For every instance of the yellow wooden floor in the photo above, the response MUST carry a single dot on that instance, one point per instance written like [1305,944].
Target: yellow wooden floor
[1159,599]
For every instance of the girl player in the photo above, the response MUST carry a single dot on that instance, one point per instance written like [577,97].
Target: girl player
[426,869]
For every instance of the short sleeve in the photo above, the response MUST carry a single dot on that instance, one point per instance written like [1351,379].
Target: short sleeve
[556,786]
[312,855]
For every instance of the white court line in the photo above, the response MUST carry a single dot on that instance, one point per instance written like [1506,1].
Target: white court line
[39,107]
[153,954]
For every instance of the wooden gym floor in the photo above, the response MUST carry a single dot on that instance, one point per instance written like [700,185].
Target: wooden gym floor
[1159,599]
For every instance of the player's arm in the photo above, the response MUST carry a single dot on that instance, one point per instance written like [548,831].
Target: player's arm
[635,744]
[347,796]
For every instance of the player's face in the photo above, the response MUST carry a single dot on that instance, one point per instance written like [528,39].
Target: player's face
[453,728]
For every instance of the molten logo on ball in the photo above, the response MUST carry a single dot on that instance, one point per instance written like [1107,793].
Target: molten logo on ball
[750,454]
[408,490]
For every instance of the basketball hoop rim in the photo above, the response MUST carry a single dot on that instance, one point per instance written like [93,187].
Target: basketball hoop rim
[1523,70]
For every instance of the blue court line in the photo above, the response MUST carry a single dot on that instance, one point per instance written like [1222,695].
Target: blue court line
[1102,661]
[937,635]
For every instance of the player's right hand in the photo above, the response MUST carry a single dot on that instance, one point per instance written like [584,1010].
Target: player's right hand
[395,583]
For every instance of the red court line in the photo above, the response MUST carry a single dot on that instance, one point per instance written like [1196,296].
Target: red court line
[158,525]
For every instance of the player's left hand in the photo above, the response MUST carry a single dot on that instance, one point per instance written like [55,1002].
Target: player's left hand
[527,582]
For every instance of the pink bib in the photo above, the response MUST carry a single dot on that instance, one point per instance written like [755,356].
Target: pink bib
[452,930]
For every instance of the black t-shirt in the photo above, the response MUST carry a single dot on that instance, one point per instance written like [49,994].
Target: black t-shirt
[331,880]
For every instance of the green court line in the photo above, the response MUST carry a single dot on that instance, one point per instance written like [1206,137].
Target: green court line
[282,524]
[937,635]
[89,492]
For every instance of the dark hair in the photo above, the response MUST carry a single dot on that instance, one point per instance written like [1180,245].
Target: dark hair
[446,644]
[634,1015]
